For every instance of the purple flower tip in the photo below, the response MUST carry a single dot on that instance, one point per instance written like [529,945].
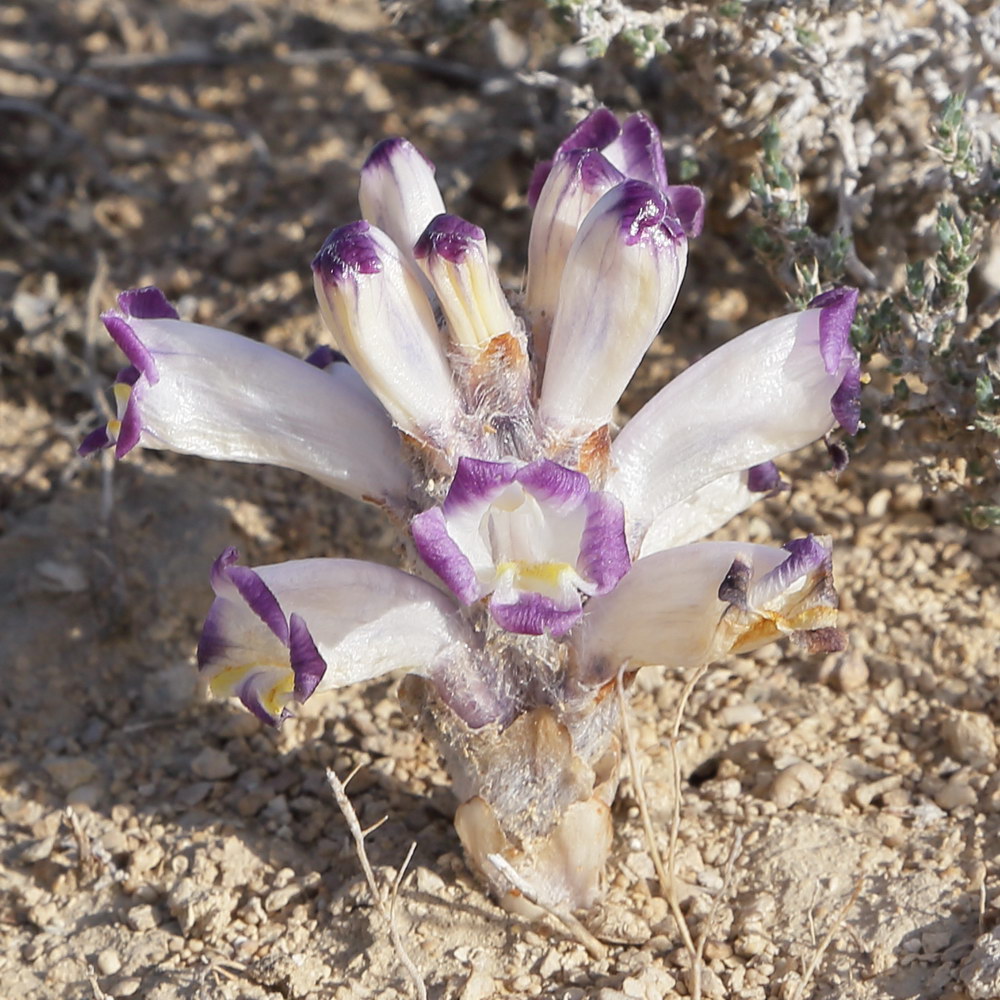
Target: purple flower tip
[688,204]
[806,554]
[94,441]
[846,402]
[599,129]
[130,431]
[594,168]
[324,356]
[449,236]
[383,153]
[347,251]
[838,306]
[252,590]
[643,212]
[764,478]
[146,303]
[534,614]
[835,320]
[643,150]
[308,666]
[736,584]
[124,335]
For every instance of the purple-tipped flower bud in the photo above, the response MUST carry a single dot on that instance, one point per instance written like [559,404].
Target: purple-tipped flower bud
[398,192]
[576,182]
[620,282]
[383,323]
[453,255]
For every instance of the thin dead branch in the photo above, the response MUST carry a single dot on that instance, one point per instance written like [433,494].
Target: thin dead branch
[818,954]
[639,788]
[359,48]
[386,912]
[727,883]
[675,824]
[571,923]
[126,95]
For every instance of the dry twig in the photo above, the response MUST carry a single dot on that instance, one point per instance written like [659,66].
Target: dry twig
[639,788]
[675,824]
[576,928]
[818,954]
[387,913]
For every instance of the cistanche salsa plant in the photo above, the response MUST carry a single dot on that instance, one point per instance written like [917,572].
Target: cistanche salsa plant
[546,553]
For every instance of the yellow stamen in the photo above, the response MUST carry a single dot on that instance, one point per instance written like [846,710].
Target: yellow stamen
[533,576]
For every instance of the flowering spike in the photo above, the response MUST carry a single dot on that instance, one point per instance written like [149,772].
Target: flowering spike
[384,325]
[567,555]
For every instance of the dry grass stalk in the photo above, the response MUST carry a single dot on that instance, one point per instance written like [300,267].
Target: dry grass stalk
[388,913]
[817,955]
[640,790]
[675,824]
[572,924]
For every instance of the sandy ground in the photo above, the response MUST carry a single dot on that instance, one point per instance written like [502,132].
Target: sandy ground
[154,844]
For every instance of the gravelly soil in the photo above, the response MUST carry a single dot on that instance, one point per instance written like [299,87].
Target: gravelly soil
[154,844]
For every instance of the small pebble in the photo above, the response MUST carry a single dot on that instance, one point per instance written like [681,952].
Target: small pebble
[744,713]
[934,942]
[795,783]
[956,792]
[846,671]
[213,765]
[980,971]
[126,987]
[141,918]
[70,772]
[32,951]
[278,899]
[108,962]
[864,794]
[878,505]
[37,850]
[970,737]
[550,964]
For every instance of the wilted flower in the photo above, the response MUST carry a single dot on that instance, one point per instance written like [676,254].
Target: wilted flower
[546,554]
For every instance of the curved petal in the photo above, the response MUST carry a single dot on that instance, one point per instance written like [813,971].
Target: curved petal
[277,634]
[638,151]
[621,279]
[383,322]
[202,391]
[709,508]
[765,393]
[687,606]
